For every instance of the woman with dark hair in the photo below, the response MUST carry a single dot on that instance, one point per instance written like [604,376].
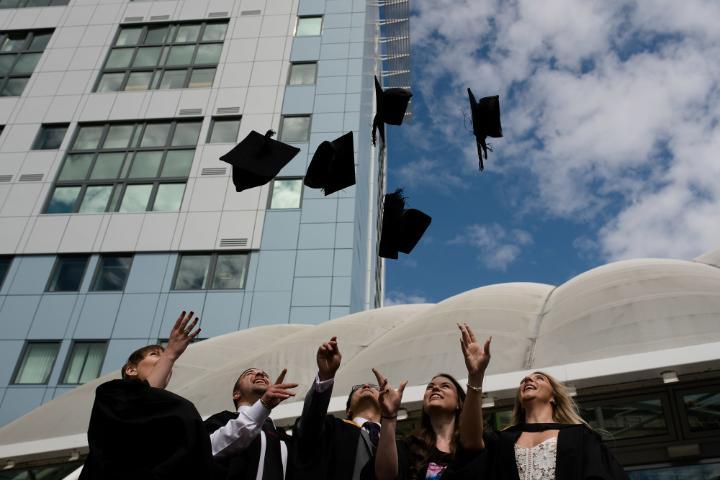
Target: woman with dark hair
[547,440]
[426,452]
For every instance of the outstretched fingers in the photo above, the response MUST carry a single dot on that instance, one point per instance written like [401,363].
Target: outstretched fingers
[381,380]
[281,377]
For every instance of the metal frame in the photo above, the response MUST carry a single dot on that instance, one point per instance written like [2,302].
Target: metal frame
[292,64]
[215,118]
[158,70]
[42,129]
[46,3]
[98,268]
[24,352]
[54,270]
[69,356]
[272,187]
[211,270]
[29,37]
[120,182]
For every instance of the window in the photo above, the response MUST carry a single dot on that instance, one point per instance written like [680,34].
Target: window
[302,73]
[50,137]
[36,363]
[126,167]
[219,271]
[702,409]
[31,3]
[308,26]
[295,129]
[286,193]
[67,274]
[112,272]
[5,263]
[20,52]
[162,56]
[628,418]
[224,130]
[84,362]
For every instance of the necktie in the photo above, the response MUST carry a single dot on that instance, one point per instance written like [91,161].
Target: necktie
[373,430]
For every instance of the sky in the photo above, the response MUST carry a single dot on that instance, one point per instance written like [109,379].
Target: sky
[611,147]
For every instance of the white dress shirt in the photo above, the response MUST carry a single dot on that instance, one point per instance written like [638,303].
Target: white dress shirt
[237,434]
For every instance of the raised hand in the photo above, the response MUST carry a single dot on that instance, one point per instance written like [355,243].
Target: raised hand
[328,359]
[390,398]
[277,392]
[477,357]
[182,334]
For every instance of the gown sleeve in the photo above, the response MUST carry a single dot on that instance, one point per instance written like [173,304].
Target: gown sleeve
[599,462]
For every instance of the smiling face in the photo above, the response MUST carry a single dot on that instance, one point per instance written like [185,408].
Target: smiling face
[250,386]
[535,387]
[441,395]
[366,393]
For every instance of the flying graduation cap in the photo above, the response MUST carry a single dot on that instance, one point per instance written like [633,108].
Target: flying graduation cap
[486,122]
[332,168]
[258,159]
[401,228]
[391,106]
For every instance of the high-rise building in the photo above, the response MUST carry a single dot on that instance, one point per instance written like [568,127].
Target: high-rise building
[115,212]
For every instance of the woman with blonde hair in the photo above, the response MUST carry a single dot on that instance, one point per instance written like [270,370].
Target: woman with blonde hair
[548,439]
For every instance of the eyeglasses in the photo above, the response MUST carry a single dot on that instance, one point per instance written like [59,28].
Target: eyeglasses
[255,372]
[355,388]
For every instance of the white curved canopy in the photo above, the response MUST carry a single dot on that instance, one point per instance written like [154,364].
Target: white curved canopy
[635,309]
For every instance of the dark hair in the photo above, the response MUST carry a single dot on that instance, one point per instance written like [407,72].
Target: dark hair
[236,387]
[423,438]
[138,356]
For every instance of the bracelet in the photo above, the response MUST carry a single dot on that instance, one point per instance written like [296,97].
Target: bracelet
[474,388]
[388,418]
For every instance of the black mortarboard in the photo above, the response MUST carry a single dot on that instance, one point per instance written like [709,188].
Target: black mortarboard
[332,168]
[401,228]
[258,159]
[486,122]
[391,106]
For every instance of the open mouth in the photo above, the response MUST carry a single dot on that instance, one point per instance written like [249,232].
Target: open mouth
[435,396]
[261,381]
[529,387]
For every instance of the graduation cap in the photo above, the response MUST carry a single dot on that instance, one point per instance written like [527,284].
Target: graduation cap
[486,122]
[258,159]
[391,106]
[401,228]
[332,168]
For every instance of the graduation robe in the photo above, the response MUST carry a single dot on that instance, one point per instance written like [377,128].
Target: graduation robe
[243,465]
[581,455]
[141,432]
[328,448]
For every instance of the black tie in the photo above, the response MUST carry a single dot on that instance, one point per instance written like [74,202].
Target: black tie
[373,430]
[273,457]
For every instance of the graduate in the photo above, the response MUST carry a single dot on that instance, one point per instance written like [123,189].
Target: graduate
[425,453]
[245,443]
[547,439]
[140,430]
[326,447]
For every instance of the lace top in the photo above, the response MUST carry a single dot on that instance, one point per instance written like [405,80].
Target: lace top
[538,462]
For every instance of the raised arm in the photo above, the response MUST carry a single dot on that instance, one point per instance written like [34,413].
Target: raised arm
[386,456]
[477,358]
[181,336]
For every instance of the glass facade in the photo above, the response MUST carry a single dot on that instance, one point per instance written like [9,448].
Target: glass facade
[20,52]
[36,363]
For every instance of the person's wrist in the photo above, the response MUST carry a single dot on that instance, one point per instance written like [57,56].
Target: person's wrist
[325,375]
[389,418]
[265,404]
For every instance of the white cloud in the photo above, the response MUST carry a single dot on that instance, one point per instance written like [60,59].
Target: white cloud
[432,174]
[400,298]
[497,247]
[612,109]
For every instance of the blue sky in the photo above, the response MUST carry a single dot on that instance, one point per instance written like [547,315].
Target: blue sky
[611,116]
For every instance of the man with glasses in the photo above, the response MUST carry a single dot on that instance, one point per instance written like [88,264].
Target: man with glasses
[245,443]
[327,447]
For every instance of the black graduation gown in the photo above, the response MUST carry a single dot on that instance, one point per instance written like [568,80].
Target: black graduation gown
[328,448]
[140,432]
[411,466]
[581,455]
[244,465]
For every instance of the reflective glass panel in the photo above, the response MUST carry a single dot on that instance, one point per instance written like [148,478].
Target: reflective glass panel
[156,34]
[178,163]
[173,79]
[118,136]
[224,130]
[214,32]
[26,63]
[187,33]
[129,36]
[286,193]
[112,272]
[703,411]
[147,57]
[192,272]
[76,167]
[63,200]
[13,42]
[155,135]
[307,26]
[5,263]
[85,362]
[208,54]
[145,164]
[186,134]
[119,58]
[295,129]
[107,165]
[302,74]
[68,274]
[180,55]
[110,82]
[139,81]
[96,199]
[37,363]
[230,271]
[202,78]
[14,87]
[88,138]
[169,197]
[628,418]
[50,137]
[136,198]
[6,63]
[40,41]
